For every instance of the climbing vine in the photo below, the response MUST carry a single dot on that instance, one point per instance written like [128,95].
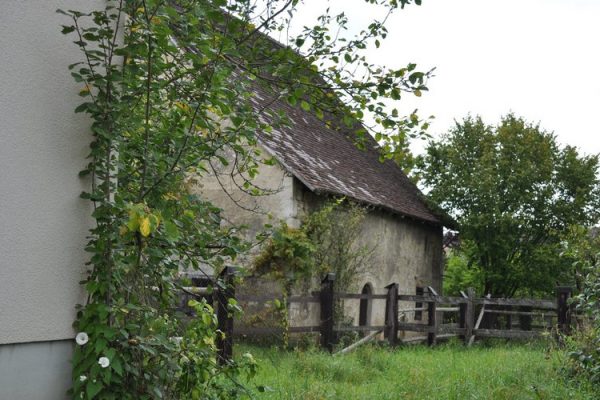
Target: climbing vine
[328,240]
[170,89]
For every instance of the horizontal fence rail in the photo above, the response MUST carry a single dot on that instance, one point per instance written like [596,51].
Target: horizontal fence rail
[464,315]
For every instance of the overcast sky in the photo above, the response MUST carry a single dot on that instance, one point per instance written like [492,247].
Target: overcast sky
[537,58]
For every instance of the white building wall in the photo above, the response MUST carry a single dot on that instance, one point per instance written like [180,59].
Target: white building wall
[43,223]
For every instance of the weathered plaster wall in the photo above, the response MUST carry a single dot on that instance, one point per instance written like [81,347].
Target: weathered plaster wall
[405,252]
[254,212]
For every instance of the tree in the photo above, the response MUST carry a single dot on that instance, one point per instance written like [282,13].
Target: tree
[514,192]
[171,86]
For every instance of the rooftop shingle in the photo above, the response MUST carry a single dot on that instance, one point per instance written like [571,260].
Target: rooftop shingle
[328,161]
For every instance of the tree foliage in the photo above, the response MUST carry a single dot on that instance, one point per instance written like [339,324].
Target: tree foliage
[169,88]
[514,192]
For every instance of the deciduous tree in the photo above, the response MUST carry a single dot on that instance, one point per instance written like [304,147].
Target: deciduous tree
[514,192]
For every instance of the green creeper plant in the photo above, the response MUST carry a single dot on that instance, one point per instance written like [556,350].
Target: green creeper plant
[326,241]
[170,87]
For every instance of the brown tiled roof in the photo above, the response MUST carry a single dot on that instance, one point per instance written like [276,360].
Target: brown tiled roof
[327,161]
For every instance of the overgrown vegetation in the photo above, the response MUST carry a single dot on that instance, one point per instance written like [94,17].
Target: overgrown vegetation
[501,371]
[170,87]
[515,194]
[584,346]
[328,240]
[459,275]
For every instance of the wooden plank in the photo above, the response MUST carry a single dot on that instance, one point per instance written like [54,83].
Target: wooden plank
[512,334]
[428,299]
[359,296]
[544,304]
[447,309]
[423,338]
[326,296]
[432,321]
[362,341]
[469,316]
[391,314]
[412,327]
[262,330]
[514,312]
[563,293]
[444,329]
[479,319]
[359,328]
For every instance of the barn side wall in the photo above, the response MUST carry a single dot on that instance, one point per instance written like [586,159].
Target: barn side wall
[406,252]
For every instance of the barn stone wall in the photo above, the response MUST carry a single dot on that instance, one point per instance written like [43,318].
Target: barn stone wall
[406,252]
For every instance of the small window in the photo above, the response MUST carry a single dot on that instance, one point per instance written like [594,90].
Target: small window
[419,314]
[364,317]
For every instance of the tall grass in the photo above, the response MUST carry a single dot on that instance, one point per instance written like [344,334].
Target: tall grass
[446,372]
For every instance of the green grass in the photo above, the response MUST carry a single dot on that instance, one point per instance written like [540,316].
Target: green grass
[446,372]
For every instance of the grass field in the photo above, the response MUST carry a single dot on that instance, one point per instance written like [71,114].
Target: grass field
[446,372]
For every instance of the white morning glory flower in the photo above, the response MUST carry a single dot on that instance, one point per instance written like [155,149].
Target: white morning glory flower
[104,362]
[82,378]
[82,338]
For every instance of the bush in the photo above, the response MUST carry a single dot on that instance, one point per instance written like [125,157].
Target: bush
[585,354]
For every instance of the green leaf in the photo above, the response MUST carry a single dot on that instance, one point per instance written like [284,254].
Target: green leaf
[171,231]
[305,105]
[93,388]
[116,366]
[81,108]
[67,29]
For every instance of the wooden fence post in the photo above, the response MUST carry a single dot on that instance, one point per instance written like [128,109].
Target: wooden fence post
[508,318]
[326,297]
[432,321]
[467,315]
[391,314]
[525,320]
[563,293]
[225,291]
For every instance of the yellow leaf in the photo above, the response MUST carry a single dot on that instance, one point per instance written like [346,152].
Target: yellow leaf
[182,106]
[85,90]
[123,230]
[145,226]
[155,20]
[417,93]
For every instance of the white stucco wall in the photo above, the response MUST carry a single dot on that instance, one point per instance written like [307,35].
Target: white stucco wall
[43,145]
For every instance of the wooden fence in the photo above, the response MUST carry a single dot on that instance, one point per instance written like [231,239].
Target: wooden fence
[467,310]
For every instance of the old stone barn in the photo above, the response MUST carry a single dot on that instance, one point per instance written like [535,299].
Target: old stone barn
[315,163]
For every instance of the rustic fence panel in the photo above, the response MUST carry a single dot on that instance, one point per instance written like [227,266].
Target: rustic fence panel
[466,306]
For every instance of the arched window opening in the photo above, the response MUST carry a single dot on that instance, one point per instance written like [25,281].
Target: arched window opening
[364,316]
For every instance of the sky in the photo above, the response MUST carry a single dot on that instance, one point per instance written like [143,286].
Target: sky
[537,58]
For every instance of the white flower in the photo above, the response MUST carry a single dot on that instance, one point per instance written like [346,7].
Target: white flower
[82,338]
[82,378]
[104,362]
[176,339]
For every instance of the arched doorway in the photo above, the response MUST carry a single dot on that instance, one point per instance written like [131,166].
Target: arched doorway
[364,316]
